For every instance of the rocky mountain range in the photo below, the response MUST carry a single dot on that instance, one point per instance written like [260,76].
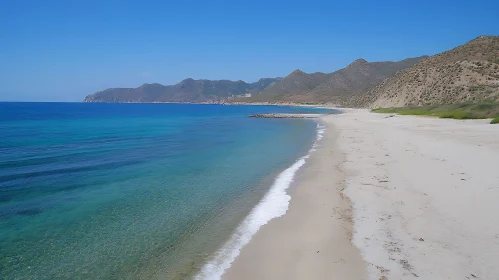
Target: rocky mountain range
[468,72]
[337,87]
[297,87]
[188,90]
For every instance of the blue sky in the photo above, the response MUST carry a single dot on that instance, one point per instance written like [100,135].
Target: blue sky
[64,50]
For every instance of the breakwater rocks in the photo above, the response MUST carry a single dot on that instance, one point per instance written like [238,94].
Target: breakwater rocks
[285,116]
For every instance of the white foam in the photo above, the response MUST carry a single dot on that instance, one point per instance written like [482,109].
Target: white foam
[320,131]
[274,204]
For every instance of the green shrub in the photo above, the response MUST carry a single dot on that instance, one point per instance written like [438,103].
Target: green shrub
[415,112]
[383,110]
[495,121]
[466,110]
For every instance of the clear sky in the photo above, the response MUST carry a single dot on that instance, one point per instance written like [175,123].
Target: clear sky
[64,50]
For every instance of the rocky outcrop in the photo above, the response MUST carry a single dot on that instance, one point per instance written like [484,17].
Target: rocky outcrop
[285,116]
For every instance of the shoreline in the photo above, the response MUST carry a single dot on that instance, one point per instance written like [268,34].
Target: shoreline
[312,240]
[274,204]
[322,106]
[423,194]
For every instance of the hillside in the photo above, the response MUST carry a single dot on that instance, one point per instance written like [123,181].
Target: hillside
[336,87]
[292,87]
[467,73]
[188,90]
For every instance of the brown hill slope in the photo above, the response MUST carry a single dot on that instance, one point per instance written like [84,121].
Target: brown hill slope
[292,87]
[467,73]
[336,87]
[358,77]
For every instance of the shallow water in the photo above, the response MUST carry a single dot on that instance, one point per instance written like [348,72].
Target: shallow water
[133,191]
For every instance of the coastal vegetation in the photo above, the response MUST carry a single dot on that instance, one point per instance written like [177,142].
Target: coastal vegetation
[460,111]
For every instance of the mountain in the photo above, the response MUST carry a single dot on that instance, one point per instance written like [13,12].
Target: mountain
[358,77]
[292,87]
[337,87]
[469,72]
[188,90]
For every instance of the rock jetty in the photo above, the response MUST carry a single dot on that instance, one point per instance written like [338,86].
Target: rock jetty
[285,116]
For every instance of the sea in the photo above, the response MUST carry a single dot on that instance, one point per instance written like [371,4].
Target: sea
[140,191]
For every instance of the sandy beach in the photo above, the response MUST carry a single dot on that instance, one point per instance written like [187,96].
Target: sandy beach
[312,240]
[424,196]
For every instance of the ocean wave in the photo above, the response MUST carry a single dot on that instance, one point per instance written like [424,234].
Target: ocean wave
[320,133]
[274,204]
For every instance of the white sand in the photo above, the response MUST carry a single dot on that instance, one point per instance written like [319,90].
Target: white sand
[415,177]
[425,196]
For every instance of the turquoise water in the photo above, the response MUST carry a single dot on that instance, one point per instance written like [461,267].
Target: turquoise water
[132,191]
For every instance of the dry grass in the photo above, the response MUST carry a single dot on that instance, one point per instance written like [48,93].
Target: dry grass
[460,111]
